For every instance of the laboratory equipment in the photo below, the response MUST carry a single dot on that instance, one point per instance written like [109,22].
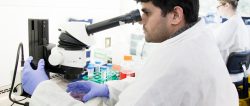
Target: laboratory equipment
[39,46]
[103,70]
[90,70]
[237,64]
[74,41]
[126,73]
[97,66]
[106,74]
[17,88]
[70,55]
[109,67]
[127,68]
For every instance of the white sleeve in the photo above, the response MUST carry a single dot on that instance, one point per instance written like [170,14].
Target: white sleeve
[225,35]
[49,93]
[115,88]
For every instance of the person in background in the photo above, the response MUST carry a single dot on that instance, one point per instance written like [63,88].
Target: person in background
[232,35]
[186,68]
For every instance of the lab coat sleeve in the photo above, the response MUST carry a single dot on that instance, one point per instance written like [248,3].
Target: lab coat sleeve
[49,93]
[115,89]
[225,35]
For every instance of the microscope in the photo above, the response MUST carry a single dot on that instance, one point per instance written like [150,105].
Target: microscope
[70,55]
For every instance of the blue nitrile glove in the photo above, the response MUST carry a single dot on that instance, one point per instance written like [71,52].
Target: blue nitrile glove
[77,95]
[88,90]
[30,77]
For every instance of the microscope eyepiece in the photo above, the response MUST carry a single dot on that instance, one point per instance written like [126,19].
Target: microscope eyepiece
[132,17]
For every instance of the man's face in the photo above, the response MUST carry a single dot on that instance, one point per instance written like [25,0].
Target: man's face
[155,26]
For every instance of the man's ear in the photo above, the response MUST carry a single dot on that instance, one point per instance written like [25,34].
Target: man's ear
[177,15]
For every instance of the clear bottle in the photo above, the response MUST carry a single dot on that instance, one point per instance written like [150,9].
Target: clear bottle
[109,70]
[97,66]
[109,67]
[103,70]
[90,70]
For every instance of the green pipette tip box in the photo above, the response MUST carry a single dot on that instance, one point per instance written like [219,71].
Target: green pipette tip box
[112,75]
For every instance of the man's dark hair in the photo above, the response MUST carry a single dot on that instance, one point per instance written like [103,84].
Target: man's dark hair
[190,7]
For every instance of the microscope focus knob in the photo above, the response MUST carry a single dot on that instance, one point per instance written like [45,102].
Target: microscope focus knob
[55,58]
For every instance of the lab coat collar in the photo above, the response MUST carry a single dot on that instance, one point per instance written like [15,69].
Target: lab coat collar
[186,34]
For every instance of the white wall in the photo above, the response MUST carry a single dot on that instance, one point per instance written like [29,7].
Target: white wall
[14,23]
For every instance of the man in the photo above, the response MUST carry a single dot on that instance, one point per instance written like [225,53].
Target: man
[185,70]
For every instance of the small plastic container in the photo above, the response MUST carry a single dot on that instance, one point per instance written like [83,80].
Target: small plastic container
[103,70]
[109,67]
[90,70]
[126,70]
[125,74]
[97,66]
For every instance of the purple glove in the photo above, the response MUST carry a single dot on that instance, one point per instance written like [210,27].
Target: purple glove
[77,95]
[30,77]
[87,90]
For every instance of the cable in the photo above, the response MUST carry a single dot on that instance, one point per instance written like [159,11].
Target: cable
[14,75]
[15,88]
[19,101]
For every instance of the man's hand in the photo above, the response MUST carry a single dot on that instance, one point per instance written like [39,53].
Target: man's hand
[86,90]
[30,77]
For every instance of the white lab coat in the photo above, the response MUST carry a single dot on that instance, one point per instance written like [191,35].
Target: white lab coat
[232,36]
[186,70]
